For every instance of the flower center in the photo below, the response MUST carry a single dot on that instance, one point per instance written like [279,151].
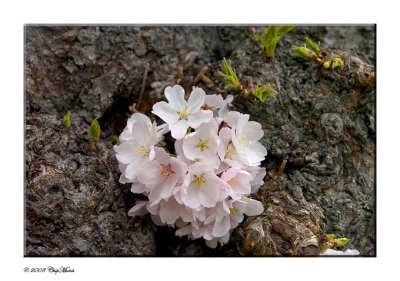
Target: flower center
[198,181]
[243,142]
[143,150]
[202,144]
[233,211]
[183,114]
[230,151]
[166,170]
[231,182]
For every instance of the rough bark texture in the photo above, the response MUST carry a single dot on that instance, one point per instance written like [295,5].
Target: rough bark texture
[320,134]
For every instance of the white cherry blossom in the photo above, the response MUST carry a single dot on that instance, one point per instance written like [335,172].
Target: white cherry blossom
[180,114]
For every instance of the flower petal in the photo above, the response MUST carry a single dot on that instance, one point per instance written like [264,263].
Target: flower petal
[200,117]
[138,210]
[253,207]
[126,152]
[138,187]
[178,129]
[176,97]
[222,226]
[179,168]
[165,112]
[196,100]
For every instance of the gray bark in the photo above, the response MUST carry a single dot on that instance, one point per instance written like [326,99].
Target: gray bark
[322,125]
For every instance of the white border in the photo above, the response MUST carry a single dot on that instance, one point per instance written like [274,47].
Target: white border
[15,13]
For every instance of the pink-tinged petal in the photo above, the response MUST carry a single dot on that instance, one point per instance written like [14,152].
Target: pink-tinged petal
[132,170]
[138,187]
[165,112]
[168,186]
[176,97]
[190,197]
[153,209]
[126,152]
[222,226]
[184,230]
[150,172]
[169,211]
[156,220]
[161,156]
[141,133]
[222,168]
[200,117]
[139,209]
[196,100]
[208,194]
[210,159]
[199,168]
[253,207]
[179,168]
[178,129]
[258,178]
[190,149]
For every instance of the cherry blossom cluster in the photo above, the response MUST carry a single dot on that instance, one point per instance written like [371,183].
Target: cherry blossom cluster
[203,187]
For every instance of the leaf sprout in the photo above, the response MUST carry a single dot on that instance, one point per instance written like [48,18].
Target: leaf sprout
[67,119]
[261,91]
[94,131]
[312,51]
[271,37]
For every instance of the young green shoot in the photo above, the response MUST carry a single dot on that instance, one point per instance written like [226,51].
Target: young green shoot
[312,51]
[94,131]
[67,119]
[115,139]
[271,37]
[337,242]
[264,91]
[231,79]
[312,45]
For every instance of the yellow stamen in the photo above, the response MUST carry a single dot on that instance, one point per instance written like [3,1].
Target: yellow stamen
[198,181]
[233,211]
[203,144]
[166,170]
[143,150]
[183,114]
[231,182]
[230,152]
[243,143]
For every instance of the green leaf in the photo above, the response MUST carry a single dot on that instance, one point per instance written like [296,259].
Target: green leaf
[67,119]
[94,131]
[115,139]
[264,91]
[312,45]
[231,80]
[340,242]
